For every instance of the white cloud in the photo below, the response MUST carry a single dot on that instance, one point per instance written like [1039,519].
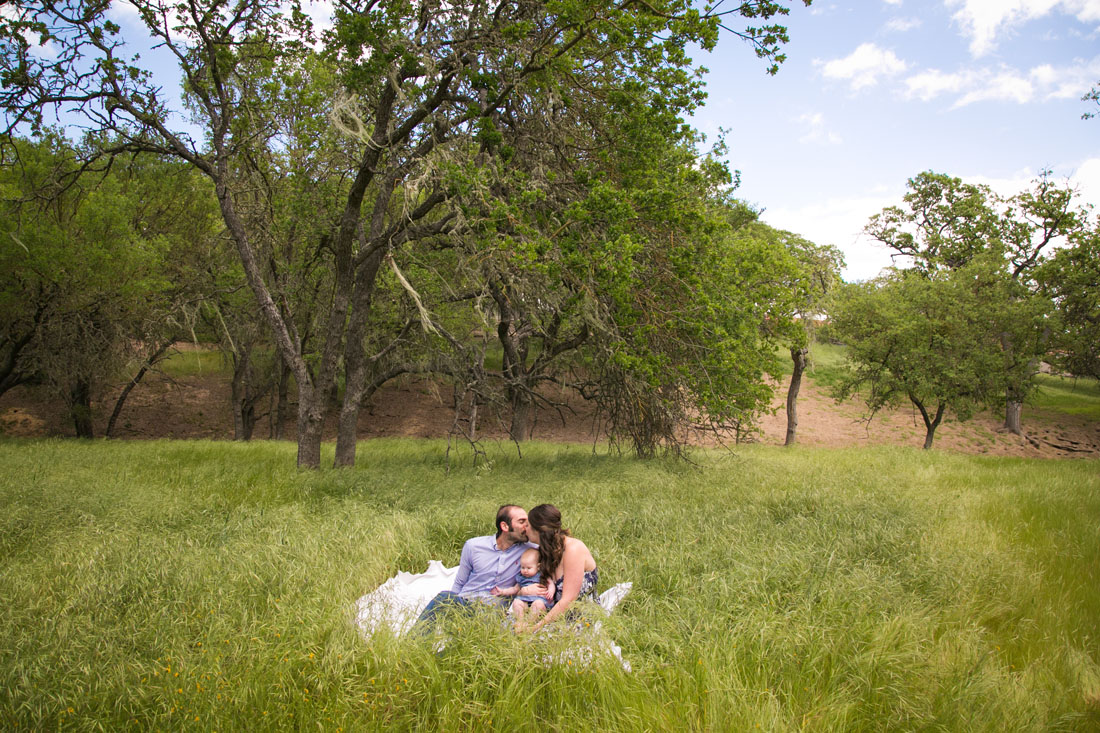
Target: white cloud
[840,222]
[1006,84]
[1087,180]
[816,132]
[1084,176]
[984,20]
[864,67]
[320,12]
[893,2]
[901,25]
[932,83]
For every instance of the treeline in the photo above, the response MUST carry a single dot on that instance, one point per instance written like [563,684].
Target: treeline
[376,204]
[396,192]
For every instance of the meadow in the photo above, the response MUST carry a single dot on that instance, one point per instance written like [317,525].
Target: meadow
[210,586]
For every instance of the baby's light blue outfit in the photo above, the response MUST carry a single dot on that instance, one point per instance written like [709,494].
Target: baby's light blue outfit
[524,581]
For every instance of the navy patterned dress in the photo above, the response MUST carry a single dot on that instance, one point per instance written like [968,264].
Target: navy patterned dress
[588,586]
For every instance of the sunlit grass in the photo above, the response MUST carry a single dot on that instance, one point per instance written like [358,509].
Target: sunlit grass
[195,363]
[1073,396]
[200,585]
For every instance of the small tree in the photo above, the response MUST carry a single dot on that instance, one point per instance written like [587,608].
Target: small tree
[944,225]
[928,340]
[816,276]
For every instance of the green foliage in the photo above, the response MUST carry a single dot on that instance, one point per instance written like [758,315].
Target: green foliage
[1072,279]
[929,340]
[525,136]
[93,264]
[147,585]
[944,223]
[947,226]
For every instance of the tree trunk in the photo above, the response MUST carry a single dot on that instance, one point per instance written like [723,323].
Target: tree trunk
[10,376]
[798,356]
[80,407]
[522,407]
[355,360]
[153,359]
[238,393]
[248,420]
[245,393]
[1013,409]
[930,424]
[311,421]
[311,394]
[281,401]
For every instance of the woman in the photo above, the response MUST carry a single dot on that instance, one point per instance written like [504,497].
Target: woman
[564,562]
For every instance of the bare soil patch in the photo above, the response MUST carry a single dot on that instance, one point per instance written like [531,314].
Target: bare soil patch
[198,407]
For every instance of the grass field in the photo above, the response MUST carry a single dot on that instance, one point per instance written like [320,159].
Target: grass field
[209,586]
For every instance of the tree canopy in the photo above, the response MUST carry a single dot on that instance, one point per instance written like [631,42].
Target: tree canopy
[928,340]
[945,225]
[428,159]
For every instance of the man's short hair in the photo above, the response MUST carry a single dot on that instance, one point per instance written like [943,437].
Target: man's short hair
[504,514]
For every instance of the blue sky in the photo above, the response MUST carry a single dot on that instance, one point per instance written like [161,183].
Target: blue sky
[875,91]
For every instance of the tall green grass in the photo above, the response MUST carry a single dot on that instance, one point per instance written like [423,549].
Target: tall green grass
[209,586]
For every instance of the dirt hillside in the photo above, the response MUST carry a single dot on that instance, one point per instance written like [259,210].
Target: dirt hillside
[198,407]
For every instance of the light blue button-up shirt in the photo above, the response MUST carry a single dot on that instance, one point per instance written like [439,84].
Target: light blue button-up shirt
[484,565]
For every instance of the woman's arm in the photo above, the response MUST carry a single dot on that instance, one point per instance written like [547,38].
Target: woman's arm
[572,562]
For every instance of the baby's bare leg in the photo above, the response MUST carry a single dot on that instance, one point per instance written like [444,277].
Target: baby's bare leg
[519,610]
[538,608]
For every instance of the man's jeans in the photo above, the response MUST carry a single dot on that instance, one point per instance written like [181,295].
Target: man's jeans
[448,601]
[445,601]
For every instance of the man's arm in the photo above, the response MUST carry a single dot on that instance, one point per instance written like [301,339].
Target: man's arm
[465,565]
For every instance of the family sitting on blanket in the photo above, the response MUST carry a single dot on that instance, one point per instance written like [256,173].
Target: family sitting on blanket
[493,569]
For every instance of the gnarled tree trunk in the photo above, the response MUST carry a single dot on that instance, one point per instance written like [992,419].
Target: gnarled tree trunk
[798,356]
[930,423]
[1013,408]
[355,359]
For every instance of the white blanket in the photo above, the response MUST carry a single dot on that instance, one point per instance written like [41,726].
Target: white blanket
[398,602]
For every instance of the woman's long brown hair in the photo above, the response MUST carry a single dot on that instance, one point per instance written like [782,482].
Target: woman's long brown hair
[546,519]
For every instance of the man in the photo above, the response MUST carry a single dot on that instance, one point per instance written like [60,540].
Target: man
[486,562]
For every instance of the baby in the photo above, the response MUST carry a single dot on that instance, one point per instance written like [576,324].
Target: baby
[527,577]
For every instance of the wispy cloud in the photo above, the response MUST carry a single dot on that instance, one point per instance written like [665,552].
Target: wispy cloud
[816,132]
[864,67]
[983,21]
[901,25]
[1004,84]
